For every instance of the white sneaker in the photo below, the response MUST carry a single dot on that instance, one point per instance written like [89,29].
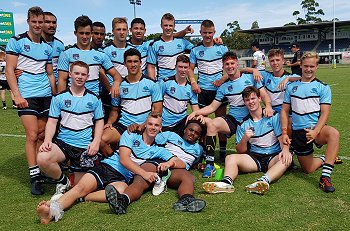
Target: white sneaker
[259,187]
[60,190]
[4,108]
[160,185]
[218,187]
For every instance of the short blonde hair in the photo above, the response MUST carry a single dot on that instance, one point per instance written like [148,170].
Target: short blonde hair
[119,20]
[310,54]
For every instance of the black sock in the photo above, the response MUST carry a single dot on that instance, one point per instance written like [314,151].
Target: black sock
[210,143]
[63,179]
[4,103]
[227,180]
[222,148]
[34,173]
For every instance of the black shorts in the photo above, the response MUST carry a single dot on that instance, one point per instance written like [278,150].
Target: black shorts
[120,127]
[4,85]
[262,160]
[155,161]
[299,143]
[177,128]
[206,97]
[232,124]
[38,106]
[105,174]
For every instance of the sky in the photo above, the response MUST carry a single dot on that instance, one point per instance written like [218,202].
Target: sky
[267,13]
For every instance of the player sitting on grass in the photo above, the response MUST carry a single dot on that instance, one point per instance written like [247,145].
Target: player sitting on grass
[259,138]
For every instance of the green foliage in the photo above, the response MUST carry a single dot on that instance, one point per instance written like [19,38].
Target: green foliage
[152,36]
[109,38]
[234,39]
[311,13]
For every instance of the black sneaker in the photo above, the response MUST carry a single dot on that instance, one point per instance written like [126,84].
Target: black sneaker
[36,188]
[326,184]
[189,204]
[117,202]
[338,160]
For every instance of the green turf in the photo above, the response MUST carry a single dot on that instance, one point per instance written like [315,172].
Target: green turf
[293,203]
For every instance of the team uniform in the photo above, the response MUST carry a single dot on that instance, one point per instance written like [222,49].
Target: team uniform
[260,58]
[305,99]
[3,82]
[263,146]
[94,58]
[231,91]
[78,115]
[143,49]
[175,101]
[135,102]
[58,47]
[296,58]
[163,55]
[33,84]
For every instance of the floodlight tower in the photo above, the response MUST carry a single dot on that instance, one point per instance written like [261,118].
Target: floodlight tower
[135,2]
[334,61]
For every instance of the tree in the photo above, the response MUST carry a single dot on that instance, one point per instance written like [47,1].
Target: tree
[109,38]
[234,39]
[152,36]
[311,13]
[255,25]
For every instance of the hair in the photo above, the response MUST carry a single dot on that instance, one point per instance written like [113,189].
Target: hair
[98,24]
[119,20]
[275,52]
[310,54]
[229,55]
[207,23]
[167,16]
[203,127]
[36,11]
[183,58]
[80,64]
[47,13]
[138,20]
[255,44]
[250,90]
[82,21]
[132,52]
[155,115]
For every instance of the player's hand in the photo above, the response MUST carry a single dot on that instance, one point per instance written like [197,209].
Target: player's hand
[257,75]
[93,148]
[46,146]
[163,167]
[107,125]
[195,88]
[249,133]
[189,29]
[115,90]
[283,84]
[310,135]
[150,176]
[217,83]
[136,128]
[201,119]
[18,73]
[218,41]
[288,63]
[191,116]
[268,112]
[21,102]
[286,140]
[285,156]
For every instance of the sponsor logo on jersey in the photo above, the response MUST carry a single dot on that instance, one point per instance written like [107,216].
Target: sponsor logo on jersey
[172,90]
[268,82]
[230,88]
[76,56]
[89,105]
[68,103]
[125,90]
[136,143]
[46,52]
[114,54]
[145,89]
[27,48]
[161,48]
[179,46]
[218,53]
[294,89]
[247,82]
[314,90]
[201,53]
[58,49]
[144,49]
[179,142]
[96,58]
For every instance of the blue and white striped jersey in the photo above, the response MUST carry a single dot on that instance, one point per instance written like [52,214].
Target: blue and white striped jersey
[58,47]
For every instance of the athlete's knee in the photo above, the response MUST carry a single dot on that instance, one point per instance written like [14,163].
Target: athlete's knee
[32,136]
[41,136]
[43,159]
[211,127]
[80,190]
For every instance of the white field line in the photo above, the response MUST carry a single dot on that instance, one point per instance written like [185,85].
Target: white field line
[12,135]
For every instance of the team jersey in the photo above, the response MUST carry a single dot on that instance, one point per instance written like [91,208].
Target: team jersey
[135,100]
[58,47]
[2,70]
[143,49]
[188,153]
[305,99]
[209,63]
[175,100]
[77,114]
[260,58]
[266,132]
[94,58]
[32,60]
[271,83]
[231,91]
[116,55]
[140,152]
[163,55]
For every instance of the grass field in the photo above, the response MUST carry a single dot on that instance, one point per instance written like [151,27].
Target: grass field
[293,203]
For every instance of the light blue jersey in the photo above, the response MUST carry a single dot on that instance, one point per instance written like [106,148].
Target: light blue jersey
[135,100]
[116,55]
[140,152]
[305,99]
[94,58]
[188,153]
[163,55]
[231,91]
[32,60]
[266,133]
[271,83]
[78,114]
[175,101]
[209,63]
[143,49]
[58,47]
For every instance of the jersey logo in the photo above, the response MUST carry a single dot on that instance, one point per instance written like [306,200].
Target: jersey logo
[179,46]
[96,58]
[27,48]
[58,49]
[46,52]
[247,82]
[68,103]
[76,56]
[144,49]
[136,143]
[161,48]
[125,91]
[268,124]
[179,142]
[230,88]
[294,89]
[114,54]
[314,90]
[145,89]
[172,90]
[89,105]
[218,53]
[201,53]
[268,82]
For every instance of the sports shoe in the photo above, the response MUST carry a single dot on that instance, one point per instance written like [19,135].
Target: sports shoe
[209,171]
[189,204]
[4,108]
[259,187]
[326,184]
[14,106]
[160,186]
[60,190]
[218,187]
[338,160]
[36,188]
[117,202]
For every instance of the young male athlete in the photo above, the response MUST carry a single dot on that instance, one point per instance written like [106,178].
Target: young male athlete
[207,56]
[81,125]
[259,59]
[32,92]
[309,99]
[162,52]
[138,97]
[295,65]
[3,83]
[98,35]
[259,138]
[95,59]
[230,91]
